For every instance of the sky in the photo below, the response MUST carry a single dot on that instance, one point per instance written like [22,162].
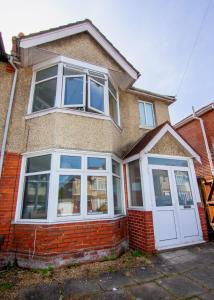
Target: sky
[165,40]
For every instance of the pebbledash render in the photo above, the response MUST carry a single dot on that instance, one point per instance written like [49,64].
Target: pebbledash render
[90,165]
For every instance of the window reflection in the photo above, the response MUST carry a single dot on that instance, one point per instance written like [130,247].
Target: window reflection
[97,194]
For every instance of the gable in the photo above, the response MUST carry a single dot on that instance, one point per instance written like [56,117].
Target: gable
[82,47]
[168,145]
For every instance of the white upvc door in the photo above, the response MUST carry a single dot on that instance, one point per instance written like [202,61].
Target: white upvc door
[175,213]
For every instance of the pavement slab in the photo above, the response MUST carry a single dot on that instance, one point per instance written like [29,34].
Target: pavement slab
[149,291]
[77,287]
[181,286]
[114,280]
[40,292]
[204,275]
[145,274]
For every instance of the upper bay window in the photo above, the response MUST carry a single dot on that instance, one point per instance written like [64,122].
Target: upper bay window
[147,116]
[72,186]
[76,88]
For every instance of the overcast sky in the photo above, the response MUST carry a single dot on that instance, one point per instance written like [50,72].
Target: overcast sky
[157,36]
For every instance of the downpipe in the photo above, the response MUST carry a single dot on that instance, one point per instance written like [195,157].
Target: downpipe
[7,122]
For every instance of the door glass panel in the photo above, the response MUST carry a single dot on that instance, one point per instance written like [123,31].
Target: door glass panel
[162,188]
[183,188]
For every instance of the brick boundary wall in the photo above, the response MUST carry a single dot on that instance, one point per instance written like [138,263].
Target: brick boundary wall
[141,231]
[56,244]
[203,220]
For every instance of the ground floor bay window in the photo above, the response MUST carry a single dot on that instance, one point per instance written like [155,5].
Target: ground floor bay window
[65,185]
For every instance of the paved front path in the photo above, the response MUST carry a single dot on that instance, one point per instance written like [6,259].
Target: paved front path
[181,274]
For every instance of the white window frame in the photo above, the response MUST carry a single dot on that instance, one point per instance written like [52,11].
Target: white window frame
[55,172]
[140,102]
[88,70]
[33,86]
[84,91]
[89,96]
[121,184]
[130,206]
[116,99]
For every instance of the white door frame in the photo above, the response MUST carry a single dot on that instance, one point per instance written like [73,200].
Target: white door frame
[195,193]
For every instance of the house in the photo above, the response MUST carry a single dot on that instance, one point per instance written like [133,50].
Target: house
[198,130]
[91,164]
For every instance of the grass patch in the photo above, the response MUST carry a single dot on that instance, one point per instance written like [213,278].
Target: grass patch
[5,286]
[44,272]
[137,253]
[112,256]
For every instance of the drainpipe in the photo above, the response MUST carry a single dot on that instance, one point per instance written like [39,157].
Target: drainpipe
[7,122]
[205,140]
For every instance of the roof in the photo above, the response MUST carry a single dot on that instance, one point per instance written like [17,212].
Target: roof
[3,54]
[197,113]
[149,139]
[139,91]
[143,141]
[86,25]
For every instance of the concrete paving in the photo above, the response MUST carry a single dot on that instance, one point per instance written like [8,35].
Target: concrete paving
[180,274]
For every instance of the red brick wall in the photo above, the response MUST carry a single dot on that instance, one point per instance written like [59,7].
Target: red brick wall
[208,119]
[9,182]
[141,231]
[68,238]
[193,134]
[203,221]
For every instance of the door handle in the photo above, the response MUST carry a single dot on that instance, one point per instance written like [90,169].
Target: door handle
[187,206]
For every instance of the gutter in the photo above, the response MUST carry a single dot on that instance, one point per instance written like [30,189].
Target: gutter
[7,122]
[205,141]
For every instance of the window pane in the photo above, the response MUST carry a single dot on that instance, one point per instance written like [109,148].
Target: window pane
[183,188]
[96,163]
[149,114]
[70,71]
[39,163]
[142,114]
[162,188]
[35,200]
[167,162]
[117,196]
[135,183]
[74,91]
[113,108]
[44,95]
[70,162]
[46,73]
[69,195]
[97,195]
[112,89]
[115,167]
[96,96]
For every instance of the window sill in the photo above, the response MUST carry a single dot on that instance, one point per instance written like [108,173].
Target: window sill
[65,221]
[70,112]
[147,127]
[136,208]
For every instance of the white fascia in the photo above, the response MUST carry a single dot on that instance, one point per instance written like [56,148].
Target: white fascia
[75,29]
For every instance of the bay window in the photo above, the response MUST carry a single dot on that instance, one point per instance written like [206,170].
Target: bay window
[61,186]
[74,88]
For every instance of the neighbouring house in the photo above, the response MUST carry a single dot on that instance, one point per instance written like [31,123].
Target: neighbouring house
[91,164]
[198,130]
